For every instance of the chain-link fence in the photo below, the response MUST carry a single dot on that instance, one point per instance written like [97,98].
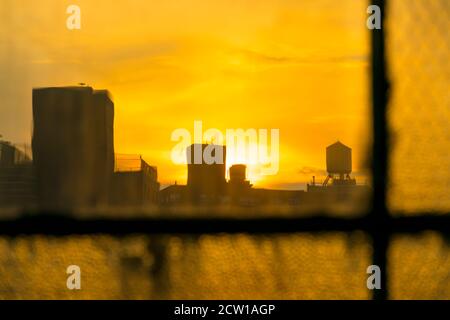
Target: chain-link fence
[418,46]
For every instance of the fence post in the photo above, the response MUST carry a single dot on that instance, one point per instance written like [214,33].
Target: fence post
[379,214]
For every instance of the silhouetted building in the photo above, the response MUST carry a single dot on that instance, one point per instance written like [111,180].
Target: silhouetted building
[238,175]
[7,154]
[174,195]
[275,197]
[134,184]
[207,185]
[17,177]
[206,177]
[238,186]
[241,192]
[73,149]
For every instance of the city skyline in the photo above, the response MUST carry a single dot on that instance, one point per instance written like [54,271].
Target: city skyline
[293,66]
[74,163]
[305,173]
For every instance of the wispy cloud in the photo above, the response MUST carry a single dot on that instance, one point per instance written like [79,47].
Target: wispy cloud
[312,171]
[260,57]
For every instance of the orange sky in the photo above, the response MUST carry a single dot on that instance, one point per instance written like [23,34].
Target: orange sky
[297,66]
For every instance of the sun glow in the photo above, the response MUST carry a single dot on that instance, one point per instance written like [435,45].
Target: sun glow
[298,66]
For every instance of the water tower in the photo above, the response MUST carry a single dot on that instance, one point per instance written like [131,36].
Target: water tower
[339,165]
[238,176]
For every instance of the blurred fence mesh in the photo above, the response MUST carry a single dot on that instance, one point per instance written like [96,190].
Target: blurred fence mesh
[296,266]
[418,43]
[419,267]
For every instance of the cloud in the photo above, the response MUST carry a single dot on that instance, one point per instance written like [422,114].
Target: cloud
[311,171]
[259,57]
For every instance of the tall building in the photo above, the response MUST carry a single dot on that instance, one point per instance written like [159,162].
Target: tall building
[206,177]
[73,147]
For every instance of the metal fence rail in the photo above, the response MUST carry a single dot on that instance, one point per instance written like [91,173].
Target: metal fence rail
[63,226]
